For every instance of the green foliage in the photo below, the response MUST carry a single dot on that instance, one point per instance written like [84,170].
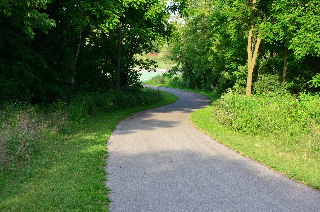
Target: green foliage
[268,84]
[88,104]
[295,120]
[192,53]
[171,78]
[279,130]
[315,82]
[27,15]
[295,24]
[212,48]
[51,50]
[209,51]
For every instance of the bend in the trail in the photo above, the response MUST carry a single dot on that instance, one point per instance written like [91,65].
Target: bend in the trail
[158,161]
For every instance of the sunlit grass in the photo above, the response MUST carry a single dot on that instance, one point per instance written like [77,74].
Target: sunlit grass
[145,75]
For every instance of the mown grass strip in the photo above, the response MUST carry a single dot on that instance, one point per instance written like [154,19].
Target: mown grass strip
[68,172]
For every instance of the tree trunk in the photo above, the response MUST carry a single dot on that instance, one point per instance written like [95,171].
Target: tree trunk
[252,56]
[250,70]
[285,64]
[77,55]
[118,83]
[252,60]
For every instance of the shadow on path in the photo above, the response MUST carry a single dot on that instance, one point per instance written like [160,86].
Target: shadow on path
[193,181]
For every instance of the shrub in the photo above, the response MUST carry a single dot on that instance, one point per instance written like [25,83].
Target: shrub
[293,120]
[172,77]
[85,105]
[268,84]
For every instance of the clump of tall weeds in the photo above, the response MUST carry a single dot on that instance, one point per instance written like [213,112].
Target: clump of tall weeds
[21,126]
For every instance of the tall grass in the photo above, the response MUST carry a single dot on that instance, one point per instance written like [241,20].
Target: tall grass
[22,125]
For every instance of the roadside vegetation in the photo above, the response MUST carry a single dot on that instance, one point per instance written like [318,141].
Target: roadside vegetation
[279,130]
[53,158]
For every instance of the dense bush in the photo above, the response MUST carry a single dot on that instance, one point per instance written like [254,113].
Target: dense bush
[173,77]
[290,119]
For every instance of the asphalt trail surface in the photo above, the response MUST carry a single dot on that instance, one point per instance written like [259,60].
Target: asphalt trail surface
[158,161]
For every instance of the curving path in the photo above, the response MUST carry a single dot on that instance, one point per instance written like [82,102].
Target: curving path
[158,161]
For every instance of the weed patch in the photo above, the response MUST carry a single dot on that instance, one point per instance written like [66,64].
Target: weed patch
[21,128]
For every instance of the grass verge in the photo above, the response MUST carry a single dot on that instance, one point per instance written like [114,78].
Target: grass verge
[68,172]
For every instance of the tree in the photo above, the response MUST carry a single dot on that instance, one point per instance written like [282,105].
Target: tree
[51,49]
[144,23]
[254,42]
[294,27]
[20,21]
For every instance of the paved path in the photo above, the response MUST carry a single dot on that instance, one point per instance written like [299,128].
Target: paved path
[159,162]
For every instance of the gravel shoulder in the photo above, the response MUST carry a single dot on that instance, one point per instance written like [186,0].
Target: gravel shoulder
[158,161]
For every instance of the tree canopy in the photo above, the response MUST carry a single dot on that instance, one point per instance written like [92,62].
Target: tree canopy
[51,49]
[241,42]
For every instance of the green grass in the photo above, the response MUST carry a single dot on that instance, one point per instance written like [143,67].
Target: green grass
[68,171]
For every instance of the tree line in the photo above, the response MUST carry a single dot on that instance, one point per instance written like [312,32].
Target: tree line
[52,49]
[242,43]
